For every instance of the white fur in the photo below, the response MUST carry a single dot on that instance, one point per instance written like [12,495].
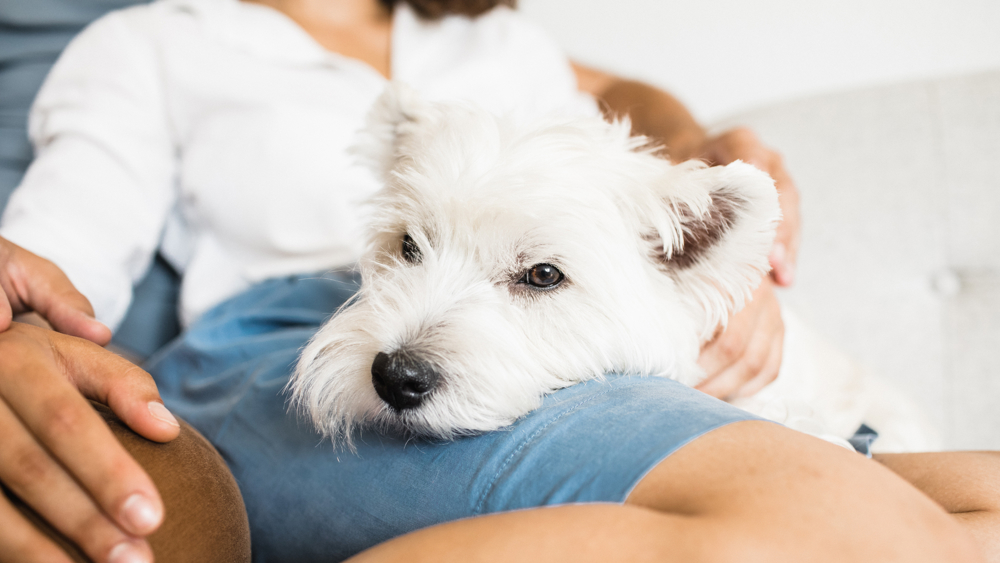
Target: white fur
[485,199]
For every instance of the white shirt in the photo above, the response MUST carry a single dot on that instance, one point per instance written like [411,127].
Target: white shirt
[217,130]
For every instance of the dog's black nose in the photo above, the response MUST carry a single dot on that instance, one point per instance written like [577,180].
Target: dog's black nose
[402,380]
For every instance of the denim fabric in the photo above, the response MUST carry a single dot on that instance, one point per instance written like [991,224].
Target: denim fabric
[863,439]
[309,502]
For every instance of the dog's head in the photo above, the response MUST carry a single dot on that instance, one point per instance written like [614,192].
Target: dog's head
[507,261]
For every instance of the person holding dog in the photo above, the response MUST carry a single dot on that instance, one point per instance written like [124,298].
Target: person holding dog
[745,487]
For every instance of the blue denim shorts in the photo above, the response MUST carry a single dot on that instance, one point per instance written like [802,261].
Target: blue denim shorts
[591,442]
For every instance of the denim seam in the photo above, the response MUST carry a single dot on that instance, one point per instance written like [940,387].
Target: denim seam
[489,487]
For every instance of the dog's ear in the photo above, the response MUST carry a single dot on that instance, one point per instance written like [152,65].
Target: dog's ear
[392,121]
[715,233]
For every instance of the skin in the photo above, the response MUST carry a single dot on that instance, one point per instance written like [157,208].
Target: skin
[358,29]
[783,496]
[29,283]
[963,483]
[745,491]
[57,454]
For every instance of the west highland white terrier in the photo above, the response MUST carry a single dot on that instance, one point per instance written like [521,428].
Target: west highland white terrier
[508,260]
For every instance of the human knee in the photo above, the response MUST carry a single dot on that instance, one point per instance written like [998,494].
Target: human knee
[205,518]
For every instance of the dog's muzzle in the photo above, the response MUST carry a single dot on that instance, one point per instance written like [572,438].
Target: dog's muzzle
[403,380]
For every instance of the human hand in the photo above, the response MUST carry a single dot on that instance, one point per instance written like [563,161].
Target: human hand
[59,456]
[31,283]
[742,144]
[745,357]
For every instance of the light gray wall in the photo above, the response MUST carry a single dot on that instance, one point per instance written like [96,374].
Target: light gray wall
[721,56]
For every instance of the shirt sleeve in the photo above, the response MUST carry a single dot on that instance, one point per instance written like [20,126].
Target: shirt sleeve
[98,193]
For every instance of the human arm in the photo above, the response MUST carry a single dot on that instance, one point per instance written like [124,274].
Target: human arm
[749,491]
[747,355]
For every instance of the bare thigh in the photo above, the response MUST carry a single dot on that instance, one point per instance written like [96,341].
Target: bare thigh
[205,518]
[748,491]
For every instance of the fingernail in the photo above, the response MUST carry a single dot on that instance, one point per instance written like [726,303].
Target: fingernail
[140,514]
[126,552]
[161,413]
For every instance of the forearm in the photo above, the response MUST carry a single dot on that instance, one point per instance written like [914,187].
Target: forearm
[966,484]
[653,112]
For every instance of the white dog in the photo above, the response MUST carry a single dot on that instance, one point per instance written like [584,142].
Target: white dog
[511,260]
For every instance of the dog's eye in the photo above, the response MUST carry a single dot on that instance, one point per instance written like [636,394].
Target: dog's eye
[543,276]
[411,252]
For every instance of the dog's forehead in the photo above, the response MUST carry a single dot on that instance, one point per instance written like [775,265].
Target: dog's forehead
[511,201]
[476,171]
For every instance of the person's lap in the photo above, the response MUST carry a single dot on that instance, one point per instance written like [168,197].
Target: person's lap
[307,500]
[205,517]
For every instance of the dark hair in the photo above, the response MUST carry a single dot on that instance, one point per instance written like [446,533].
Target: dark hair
[434,9]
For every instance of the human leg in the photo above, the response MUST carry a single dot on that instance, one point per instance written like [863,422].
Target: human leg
[205,519]
[749,491]
[588,443]
[966,484]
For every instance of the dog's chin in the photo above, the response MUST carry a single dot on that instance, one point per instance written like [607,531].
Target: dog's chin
[413,423]
[435,422]
[429,422]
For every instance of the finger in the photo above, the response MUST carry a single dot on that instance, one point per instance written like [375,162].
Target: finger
[69,428]
[6,314]
[722,359]
[38,480]
[767,374]
[782,271]
[729,346]
[68,318]
[725,385]
[126,388]
[39,285]
[720,354]
[21,541]
[744,348]
[785,253]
